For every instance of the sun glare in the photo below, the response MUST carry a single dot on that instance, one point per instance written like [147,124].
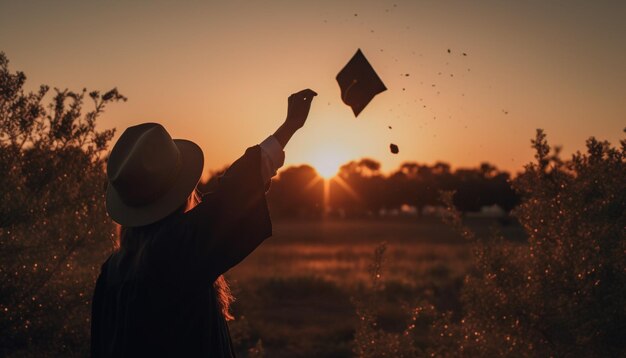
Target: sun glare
[327,159]
[326,167]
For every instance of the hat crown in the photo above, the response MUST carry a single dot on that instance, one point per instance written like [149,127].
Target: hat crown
[143,164]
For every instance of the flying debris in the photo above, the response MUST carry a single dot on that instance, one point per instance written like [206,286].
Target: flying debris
[394,148]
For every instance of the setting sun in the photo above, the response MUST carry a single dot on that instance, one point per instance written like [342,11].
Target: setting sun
[327,168]
[327,160]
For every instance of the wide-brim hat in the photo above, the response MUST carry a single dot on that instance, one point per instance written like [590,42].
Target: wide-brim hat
[150,175]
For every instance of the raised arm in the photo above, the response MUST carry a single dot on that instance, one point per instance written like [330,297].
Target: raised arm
[272,148]
[298,106]
[241,218]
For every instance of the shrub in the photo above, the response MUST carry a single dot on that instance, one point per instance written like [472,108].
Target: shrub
[52,185]
[563,293]
[371,341]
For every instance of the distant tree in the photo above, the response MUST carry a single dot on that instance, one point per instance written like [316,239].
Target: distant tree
[52,185]
[483,186]
[365,192]
[502,192]
[297,192]
[397,190]
[415,185]
[470,190]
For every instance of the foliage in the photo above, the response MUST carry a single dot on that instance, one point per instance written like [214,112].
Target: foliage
[52,186]
[298,192]
[565,292]
[561,294]
[370,341]
[360,190]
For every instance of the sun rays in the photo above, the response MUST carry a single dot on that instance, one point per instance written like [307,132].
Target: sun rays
[326,182]
[345,186]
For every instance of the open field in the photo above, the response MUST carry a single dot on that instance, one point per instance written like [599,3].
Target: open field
[297,292]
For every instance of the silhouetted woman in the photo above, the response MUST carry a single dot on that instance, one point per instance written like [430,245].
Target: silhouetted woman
[162,293]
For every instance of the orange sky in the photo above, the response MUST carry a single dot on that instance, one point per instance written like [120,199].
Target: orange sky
[219,73]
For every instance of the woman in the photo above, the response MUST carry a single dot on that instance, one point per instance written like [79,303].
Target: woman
[162,293]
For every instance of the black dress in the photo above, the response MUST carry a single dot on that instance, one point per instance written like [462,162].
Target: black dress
[158,300]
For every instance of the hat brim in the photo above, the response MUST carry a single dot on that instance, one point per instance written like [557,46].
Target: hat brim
[192,162]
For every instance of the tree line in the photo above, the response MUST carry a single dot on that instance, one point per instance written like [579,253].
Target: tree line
[360,189]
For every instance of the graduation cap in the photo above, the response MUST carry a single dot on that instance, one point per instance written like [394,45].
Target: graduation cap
[394,148]
[359,83]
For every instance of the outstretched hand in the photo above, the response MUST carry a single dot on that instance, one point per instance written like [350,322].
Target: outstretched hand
[298,106]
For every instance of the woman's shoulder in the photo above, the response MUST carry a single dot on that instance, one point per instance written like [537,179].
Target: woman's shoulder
[202,213]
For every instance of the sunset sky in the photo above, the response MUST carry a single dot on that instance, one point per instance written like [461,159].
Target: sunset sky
[219,73]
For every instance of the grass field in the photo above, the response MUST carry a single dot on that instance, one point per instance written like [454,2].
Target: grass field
[297,292]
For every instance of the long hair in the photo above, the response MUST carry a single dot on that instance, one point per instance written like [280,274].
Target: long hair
[131,240]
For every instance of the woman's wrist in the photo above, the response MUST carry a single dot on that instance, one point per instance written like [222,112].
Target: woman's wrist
[291,125]
[284,133]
